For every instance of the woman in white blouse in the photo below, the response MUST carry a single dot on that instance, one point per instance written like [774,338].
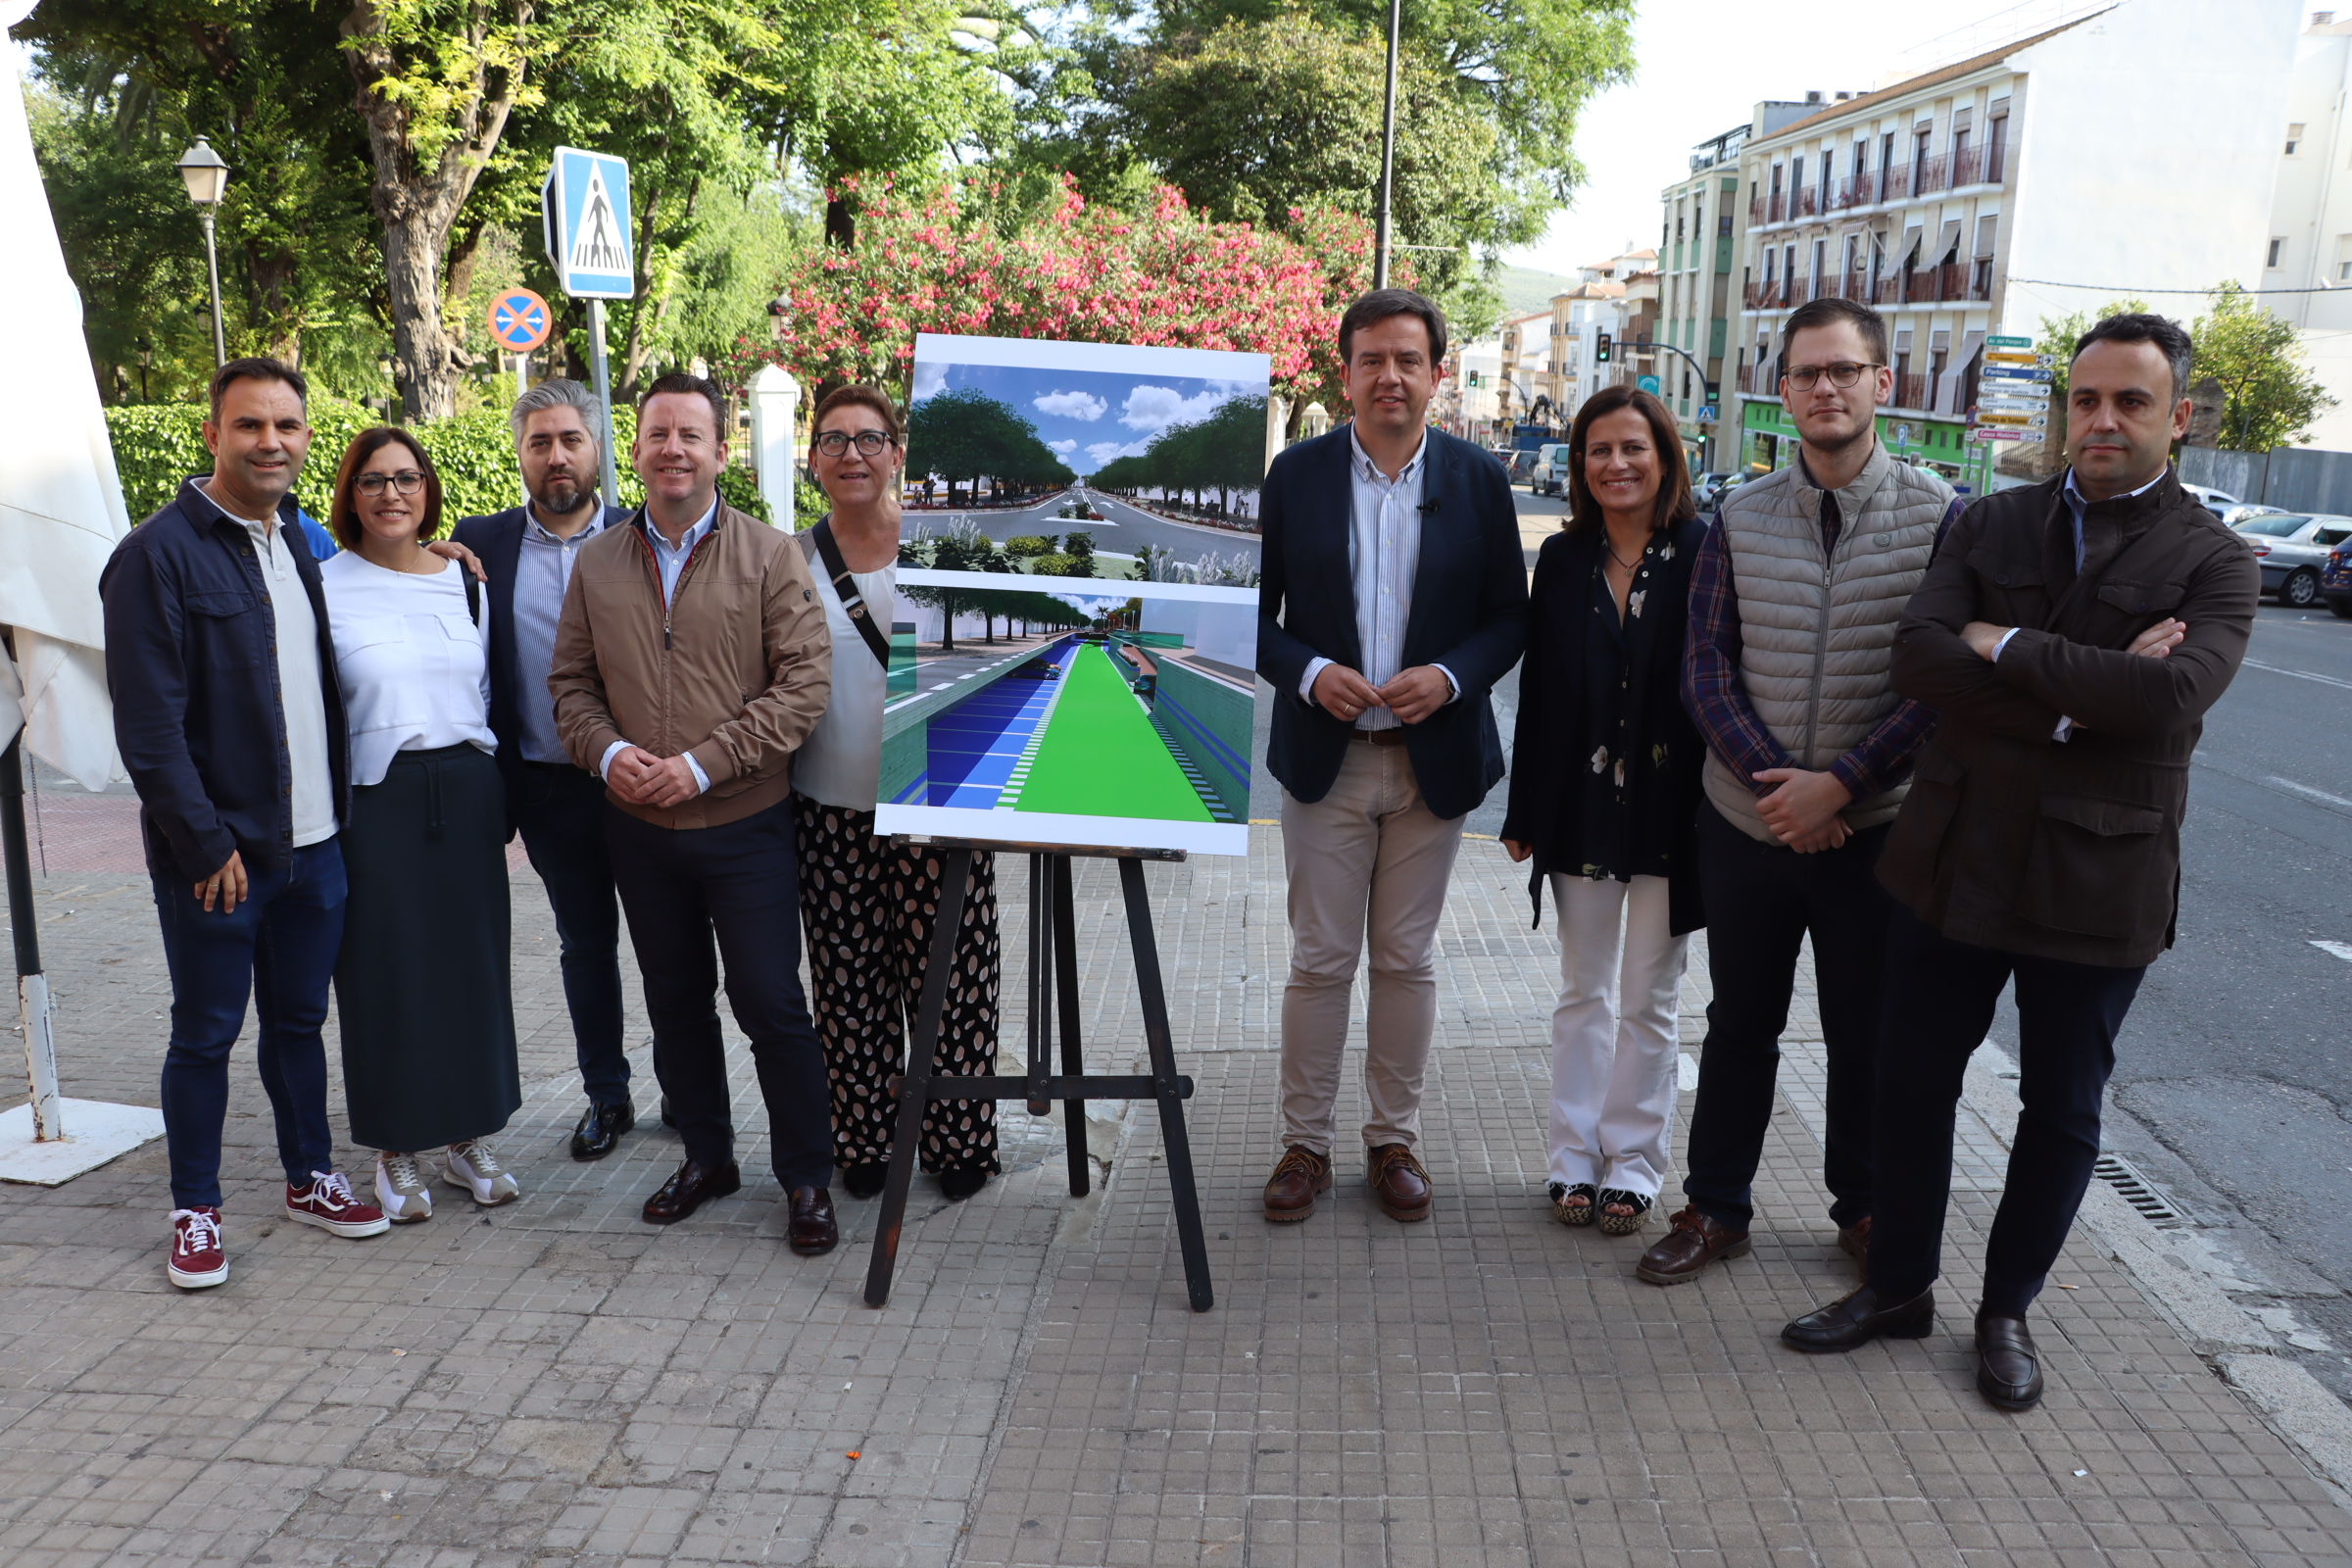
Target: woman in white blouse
[421,988]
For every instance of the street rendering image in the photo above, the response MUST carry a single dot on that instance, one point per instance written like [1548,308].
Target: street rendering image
[1179,784]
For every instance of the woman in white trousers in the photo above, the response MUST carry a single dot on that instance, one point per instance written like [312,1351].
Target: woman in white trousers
[1604,801]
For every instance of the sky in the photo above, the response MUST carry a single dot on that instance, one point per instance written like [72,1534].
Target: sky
[1089,416]
[1704,64]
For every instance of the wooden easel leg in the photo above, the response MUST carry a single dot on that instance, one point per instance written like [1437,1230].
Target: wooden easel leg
[1065,975]
[923,1065]
[1189,1234]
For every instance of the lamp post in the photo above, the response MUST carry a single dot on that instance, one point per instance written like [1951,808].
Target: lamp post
[207,179]
[1381,236]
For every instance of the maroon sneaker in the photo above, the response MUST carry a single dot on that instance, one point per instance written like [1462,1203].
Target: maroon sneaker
[329,1204]
[197,1261]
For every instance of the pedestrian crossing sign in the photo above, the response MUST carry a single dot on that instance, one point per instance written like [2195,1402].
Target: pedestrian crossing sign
[585,205]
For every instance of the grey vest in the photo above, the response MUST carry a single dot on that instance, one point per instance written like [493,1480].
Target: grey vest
[1817,637]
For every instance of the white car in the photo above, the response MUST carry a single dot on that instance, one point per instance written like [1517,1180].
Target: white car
[1550,475]
[2216,502]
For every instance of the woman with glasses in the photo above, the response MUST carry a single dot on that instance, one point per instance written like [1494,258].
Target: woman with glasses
[1604,801]
[421,986]
[868,908]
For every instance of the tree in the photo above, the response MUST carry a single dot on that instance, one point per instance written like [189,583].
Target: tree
[2272,395]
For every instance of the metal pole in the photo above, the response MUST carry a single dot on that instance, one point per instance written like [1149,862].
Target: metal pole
[604,397]
[212,265]
[1387,153]
[32,987]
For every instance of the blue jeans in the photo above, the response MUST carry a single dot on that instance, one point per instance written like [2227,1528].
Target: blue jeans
[277,946]
[564,832]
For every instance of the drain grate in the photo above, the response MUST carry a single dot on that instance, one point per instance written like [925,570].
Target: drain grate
[2137,1190]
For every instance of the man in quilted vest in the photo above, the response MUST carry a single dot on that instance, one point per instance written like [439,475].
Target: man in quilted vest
[1794,603]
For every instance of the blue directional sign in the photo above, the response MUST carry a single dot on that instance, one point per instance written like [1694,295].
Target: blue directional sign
[1649,384]
[2012,372]
[585,205]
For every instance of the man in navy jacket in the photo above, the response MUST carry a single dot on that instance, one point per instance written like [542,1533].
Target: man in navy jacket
[555,806]
[229,718]
[1394,596]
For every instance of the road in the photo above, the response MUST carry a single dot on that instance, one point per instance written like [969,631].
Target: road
[1126,527]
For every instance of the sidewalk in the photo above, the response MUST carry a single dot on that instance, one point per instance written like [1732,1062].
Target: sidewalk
[556,1382]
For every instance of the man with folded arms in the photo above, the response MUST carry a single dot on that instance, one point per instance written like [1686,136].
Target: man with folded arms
[670,620]
[2070,637]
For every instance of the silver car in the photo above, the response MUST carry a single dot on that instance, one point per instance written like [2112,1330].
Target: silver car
[2292,547]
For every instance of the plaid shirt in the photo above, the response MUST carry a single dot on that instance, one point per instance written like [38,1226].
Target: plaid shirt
[1718,702]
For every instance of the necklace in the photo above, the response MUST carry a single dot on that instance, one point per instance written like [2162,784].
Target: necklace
[1620,559]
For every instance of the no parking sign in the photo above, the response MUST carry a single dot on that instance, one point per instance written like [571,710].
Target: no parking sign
[520,320]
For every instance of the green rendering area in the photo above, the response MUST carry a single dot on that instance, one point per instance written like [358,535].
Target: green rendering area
[1101,756]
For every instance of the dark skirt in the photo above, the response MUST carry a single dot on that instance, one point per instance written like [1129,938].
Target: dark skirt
[421,986]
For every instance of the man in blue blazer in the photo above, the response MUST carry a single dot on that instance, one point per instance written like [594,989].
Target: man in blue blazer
[1394,596]
[557,807]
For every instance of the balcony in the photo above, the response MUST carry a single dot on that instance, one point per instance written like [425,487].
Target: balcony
[1755,210]
[1967,166]
[1927,175]
[1808,203]
[1895,183]
[1762,380]
[1856,190]
[1769,295]
[1910,392]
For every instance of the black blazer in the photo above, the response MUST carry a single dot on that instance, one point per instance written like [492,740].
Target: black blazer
[498,540]
[199,719]
[1469,613]
[1552,689]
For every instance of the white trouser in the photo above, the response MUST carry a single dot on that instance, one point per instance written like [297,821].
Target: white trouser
[1614,1033]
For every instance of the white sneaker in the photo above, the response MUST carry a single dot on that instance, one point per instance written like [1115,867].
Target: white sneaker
[400,1189]
[474,1167]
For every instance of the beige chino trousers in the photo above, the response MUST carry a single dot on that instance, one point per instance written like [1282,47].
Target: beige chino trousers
[1367,859]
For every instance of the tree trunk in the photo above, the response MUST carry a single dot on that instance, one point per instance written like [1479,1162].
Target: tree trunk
[416,191]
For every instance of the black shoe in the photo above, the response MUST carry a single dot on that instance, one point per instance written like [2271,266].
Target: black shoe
[962,1182]
[599,1129]
[1855,1320]
[811,1230]
[864,1181]
[2008,1369]
[688,1186]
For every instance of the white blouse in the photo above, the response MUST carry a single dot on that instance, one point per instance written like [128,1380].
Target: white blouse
[413,666]
[840,763]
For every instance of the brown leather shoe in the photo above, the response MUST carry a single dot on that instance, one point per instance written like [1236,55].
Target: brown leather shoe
[1854,1242]
[1397,1181]
[1291,1191]
[1693,1243]
[811,1230]
[687,1187]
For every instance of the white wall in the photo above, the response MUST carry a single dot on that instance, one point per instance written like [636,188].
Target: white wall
[2147,146]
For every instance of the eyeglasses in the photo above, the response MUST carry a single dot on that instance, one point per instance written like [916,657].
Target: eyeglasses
[1845,373]
[407,481]
[833,443]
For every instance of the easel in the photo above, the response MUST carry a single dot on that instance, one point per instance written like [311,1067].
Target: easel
[1052,978]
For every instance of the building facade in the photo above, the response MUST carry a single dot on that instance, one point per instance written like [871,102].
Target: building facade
[2045,176]
[2309,243]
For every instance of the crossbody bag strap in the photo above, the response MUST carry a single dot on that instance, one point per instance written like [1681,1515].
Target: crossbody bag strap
[845,586]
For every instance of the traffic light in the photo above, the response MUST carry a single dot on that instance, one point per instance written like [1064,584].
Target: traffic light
[1600,355]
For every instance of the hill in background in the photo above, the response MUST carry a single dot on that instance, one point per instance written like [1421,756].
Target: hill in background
[1525,289]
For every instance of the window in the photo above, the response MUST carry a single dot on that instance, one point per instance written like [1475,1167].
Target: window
[1821,248]
[2343,258]
[2277,249]
[1996,145]
[1722,225]
[2294,137]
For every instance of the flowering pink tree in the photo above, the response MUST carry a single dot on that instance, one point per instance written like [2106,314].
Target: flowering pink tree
[944,262]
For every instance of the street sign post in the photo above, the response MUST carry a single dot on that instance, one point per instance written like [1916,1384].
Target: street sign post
[1707,414]
[2008,342]
[2015,372]
[585,218]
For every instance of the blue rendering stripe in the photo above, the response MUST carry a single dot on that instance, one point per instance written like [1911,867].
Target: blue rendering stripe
[1208,742]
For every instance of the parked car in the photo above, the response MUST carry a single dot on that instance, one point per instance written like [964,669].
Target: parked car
[1550,476]
[1704,485]
[2335,581]
[1730,482]
[1520,464]
[2216,502]
[2293,550]
[2239,514]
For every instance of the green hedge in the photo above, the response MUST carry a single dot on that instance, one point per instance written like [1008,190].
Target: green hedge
[158,445]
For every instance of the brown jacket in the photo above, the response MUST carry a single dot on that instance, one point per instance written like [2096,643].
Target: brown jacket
[736,669]
[2064,850]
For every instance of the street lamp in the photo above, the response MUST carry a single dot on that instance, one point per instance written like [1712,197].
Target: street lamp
[207,179]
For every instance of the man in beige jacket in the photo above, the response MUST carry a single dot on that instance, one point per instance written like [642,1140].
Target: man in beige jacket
[691,663]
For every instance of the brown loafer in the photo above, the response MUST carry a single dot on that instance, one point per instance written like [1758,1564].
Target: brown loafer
[687,1187]
[811,1230]
[1291,1191]
[1854,1242]
[1690,1244]
[1399,1182]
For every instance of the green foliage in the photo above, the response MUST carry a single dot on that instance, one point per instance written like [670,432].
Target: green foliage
[739,487]
[2272,395]
[1029,546]
[1057,564]
[966,434]
[1224,452]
